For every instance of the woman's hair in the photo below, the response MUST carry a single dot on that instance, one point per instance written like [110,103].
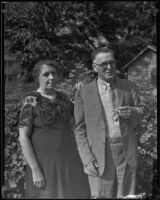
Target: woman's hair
[38,66]
[102,50]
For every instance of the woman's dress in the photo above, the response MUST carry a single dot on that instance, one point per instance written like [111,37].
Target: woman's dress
[54,147]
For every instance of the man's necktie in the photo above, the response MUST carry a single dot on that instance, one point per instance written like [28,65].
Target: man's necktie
[110,102]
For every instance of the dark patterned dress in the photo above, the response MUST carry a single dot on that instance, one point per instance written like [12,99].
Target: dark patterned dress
[54,147]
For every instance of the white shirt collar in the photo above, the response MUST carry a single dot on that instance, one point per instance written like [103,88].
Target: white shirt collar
[103,84]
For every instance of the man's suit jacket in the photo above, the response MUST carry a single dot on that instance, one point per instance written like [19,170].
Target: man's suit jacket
[90,122]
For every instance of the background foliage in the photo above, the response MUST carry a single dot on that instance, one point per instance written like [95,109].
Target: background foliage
[69,31]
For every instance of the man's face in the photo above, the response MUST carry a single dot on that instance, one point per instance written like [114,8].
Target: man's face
[105,65]
[47,77]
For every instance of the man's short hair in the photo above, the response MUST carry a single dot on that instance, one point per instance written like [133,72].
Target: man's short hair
[101,50]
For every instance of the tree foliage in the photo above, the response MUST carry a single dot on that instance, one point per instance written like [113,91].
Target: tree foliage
[69,30]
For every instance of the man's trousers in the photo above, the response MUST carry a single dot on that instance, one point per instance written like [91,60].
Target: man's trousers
[118,178]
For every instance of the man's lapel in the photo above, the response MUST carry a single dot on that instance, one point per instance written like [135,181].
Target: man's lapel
[119,92]
[95,101]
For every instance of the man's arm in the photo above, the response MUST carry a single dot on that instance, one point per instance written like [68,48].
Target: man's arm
[80,132]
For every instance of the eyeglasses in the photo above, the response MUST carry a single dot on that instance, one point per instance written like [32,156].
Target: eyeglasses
[104,65]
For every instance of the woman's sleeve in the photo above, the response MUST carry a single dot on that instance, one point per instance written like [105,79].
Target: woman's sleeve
[26,117]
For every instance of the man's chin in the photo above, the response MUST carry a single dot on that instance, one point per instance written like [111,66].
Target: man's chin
[50,86]
[109,77]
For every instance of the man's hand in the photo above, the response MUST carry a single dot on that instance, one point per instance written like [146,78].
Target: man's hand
[125,112]
[38,178]
[92,168]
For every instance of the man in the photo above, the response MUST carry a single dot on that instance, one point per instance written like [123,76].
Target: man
[106,111]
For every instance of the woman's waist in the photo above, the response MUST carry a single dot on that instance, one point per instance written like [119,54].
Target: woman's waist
[50,139]
[51,130]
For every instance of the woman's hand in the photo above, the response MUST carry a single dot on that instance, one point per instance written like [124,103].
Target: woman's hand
[79,85]
[38,178]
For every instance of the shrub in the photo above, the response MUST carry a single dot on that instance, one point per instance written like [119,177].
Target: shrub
[14,163]
[147,147]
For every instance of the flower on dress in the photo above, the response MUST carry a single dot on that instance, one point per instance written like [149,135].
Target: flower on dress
[30,100]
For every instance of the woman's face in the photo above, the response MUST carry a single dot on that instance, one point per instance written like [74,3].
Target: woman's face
[47,77]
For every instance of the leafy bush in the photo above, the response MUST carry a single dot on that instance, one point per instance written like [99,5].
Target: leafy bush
[14,163]
[147,146]
[146,132]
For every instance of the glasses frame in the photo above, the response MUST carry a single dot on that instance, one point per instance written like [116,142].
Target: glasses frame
[106,65]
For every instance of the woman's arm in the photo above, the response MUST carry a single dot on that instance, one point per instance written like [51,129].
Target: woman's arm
[29,154]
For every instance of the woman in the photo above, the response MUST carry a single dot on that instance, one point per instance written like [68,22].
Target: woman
[54,168]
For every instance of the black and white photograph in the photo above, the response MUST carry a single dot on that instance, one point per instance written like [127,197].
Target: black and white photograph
[79,100]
